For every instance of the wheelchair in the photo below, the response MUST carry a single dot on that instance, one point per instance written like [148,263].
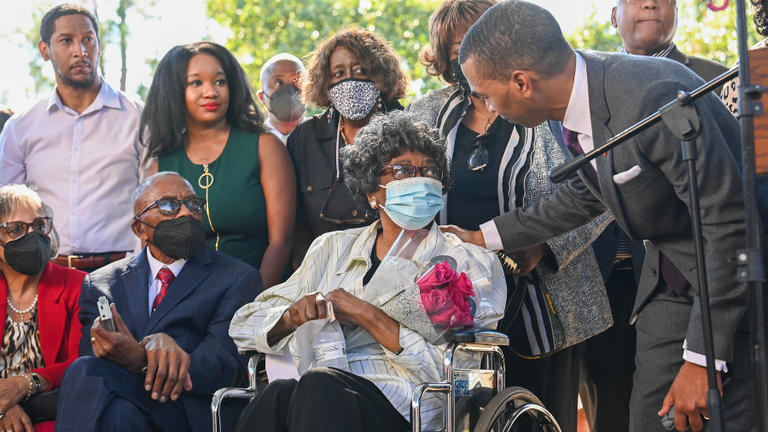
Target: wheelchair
[474,400]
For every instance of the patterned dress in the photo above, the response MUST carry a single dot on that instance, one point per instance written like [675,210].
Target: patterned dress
[20,351]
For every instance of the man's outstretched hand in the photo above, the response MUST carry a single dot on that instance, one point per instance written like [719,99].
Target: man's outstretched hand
[467,236]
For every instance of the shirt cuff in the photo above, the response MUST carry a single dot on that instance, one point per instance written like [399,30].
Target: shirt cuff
[701,360]
[492,237]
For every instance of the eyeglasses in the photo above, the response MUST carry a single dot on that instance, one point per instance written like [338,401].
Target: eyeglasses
[478,159]
[339,220]
[171,206]
[16,229]
[404,171]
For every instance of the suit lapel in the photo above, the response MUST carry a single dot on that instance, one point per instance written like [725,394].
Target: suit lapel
[135,285]
[600,116]
[52,317]
[193,273]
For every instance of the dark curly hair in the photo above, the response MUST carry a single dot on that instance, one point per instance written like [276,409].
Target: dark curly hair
[383,65]
[451,18]
[162,128]
[761,16]
[380,141]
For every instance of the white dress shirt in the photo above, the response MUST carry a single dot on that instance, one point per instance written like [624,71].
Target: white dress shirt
[279,134]
[156,284]
[341,259]
[578,119]
[84,166]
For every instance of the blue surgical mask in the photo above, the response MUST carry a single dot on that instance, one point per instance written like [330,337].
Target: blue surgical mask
[414,202]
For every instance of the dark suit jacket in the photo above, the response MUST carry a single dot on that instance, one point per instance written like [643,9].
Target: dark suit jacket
[196,312]
[706,69]
[57,310]
[654,205]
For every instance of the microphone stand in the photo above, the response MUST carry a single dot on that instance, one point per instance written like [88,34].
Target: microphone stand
[750,260]
[681,117]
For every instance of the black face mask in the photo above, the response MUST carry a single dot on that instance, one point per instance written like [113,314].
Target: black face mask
[28,254]
[286,105]
[458,75]
[178,238]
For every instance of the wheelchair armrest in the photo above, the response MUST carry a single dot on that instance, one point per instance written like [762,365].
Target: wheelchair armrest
[253,363]
[480,336]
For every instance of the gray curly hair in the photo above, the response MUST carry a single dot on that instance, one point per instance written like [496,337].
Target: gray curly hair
[379,142]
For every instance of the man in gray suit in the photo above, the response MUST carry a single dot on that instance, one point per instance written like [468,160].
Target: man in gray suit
[517,60]
[647,28]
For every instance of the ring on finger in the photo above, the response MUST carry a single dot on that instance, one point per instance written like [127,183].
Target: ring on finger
[93,340]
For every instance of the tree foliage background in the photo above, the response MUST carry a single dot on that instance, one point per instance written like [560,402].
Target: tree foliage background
[700,32]
[262,28]
[258,29]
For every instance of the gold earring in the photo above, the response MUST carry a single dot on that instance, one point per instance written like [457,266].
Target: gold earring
[374,204]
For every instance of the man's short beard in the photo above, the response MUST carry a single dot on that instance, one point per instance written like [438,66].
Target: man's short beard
[69,82]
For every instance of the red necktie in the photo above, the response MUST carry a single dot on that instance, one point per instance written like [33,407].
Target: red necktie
[166,277]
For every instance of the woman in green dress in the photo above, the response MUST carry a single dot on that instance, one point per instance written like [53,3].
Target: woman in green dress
[201,121]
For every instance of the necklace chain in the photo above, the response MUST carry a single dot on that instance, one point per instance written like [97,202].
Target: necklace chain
[25,311]
[487,119]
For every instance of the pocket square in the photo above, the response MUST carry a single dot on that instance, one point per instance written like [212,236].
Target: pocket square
[628,175]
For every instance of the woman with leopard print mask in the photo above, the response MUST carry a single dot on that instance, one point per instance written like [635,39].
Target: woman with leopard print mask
[354,74]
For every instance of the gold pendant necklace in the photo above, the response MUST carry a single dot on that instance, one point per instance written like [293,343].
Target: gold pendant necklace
[205,182]
[487,119]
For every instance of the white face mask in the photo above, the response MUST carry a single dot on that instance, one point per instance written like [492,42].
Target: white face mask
[414,202]
[354,98]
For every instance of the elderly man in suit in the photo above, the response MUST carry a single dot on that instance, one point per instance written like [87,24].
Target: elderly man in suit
[172,305]
[518,62]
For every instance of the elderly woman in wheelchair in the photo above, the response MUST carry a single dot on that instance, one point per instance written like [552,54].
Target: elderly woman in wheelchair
[401,169]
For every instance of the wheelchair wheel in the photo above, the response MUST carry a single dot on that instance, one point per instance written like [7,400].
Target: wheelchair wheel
[469,409]
[515,409]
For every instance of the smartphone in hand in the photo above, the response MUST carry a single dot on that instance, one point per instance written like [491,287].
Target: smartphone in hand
[105,313]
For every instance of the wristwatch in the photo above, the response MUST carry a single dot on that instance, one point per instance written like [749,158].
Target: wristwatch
[36,379]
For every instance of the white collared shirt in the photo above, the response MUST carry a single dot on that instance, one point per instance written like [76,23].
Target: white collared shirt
[279,134]
[577,116]
[84,166]
[156,284]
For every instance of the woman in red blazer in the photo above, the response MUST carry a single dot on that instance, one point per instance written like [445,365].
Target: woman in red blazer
[41,331]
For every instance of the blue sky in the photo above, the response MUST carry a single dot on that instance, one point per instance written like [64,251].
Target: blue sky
[176,22]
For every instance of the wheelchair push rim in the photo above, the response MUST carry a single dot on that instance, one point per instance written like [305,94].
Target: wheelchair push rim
[513,407]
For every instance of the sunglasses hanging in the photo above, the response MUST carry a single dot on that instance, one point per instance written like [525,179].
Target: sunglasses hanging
[479,159]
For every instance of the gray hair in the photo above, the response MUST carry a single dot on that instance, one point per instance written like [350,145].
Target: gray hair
[515,35]
[19,196]
[148,184]
[381,141]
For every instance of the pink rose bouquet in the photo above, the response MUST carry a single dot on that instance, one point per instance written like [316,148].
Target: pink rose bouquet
[445,295]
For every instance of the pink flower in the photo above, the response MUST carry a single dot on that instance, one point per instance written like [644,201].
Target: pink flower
[445,294]
[434,300]
[444,318]
[436,277]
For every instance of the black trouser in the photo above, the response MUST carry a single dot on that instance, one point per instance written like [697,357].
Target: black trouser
[323,400]
[608,360]
[553,379]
